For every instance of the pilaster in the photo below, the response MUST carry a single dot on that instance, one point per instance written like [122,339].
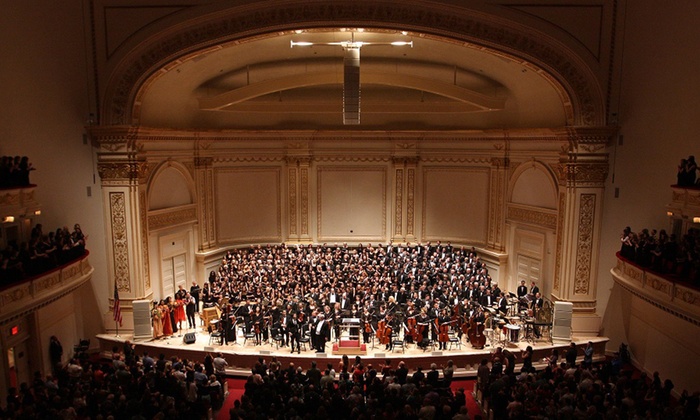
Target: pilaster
[123,177]
[204,179]
[497,205]
[583,169]
[298,171]
[403,220]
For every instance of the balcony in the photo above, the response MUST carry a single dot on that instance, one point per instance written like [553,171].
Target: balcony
[675,298]
[26,296]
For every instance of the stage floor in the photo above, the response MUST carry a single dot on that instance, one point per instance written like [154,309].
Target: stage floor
[243,355]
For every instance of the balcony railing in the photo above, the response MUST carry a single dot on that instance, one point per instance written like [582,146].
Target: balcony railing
[676,298]
[26,296]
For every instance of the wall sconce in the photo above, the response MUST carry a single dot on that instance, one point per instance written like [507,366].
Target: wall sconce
[37,212]
[669,213]
[696,219]
[8,219]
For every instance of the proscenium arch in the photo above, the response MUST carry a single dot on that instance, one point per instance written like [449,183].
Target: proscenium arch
[581,94]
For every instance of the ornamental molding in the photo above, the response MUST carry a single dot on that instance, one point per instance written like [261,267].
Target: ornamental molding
[160,219]
[470,28]
[675,299]
[126,170]
[584,244]
[398,211]
[120,243]
[410,201]
[561,217]
[292,187]
[583,174]
[538,217]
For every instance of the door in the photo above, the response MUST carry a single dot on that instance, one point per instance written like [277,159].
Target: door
[529,269]
[174,274]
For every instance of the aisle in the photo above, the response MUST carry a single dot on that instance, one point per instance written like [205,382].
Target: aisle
[236,389]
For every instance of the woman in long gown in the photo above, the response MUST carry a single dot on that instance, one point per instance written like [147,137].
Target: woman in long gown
[157,318]
[180,316]
[167,325]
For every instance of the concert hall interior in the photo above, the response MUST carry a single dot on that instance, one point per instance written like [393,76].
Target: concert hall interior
[398,159]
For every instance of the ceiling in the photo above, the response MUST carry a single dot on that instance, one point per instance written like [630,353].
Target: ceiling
[263,83]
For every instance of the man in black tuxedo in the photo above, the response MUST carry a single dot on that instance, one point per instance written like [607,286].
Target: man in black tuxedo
[319,333]
[522,289]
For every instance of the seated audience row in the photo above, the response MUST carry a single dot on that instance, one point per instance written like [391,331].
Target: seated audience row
[569,390]
[664,253]
[14,172]
[132,386]
[42,253]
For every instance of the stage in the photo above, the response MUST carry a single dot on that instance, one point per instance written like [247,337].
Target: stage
[242,355]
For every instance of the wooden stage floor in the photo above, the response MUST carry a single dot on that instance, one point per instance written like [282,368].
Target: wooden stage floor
[241,357]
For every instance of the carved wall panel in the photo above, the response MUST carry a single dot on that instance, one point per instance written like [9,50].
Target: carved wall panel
[398,202]
[120,244]
[584,248]
[292,188]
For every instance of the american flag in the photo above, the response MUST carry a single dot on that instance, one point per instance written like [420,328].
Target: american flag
[117,307]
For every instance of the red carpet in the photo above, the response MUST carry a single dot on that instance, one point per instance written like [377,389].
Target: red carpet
[236,389]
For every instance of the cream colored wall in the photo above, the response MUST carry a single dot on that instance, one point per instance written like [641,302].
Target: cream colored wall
[656,113]
[45,92]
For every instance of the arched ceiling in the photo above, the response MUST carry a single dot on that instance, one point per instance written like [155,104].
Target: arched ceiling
[263,83]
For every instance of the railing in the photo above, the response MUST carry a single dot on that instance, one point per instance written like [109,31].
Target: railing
[676,298]
[27,295]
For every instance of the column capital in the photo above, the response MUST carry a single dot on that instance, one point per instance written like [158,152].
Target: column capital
[123,170]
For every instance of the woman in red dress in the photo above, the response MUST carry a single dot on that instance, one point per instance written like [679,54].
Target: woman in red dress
[167,326]
[179,308]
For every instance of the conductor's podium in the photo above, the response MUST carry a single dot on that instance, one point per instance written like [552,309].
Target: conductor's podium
[349,341]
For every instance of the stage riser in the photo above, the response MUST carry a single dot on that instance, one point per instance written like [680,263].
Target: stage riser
[243,358]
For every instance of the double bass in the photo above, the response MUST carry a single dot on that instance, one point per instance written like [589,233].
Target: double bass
[443,331]
[411,328]
[476,333]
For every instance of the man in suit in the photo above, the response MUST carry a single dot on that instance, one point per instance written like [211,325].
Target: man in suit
[534,289]
[503,304]
[487,299]
[320,331]
[522,289]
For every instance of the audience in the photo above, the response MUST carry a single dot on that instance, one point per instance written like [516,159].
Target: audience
[664,253]
[591,391]
[134,388]
[687,171]
[359,391]
[42,253]
[14,172]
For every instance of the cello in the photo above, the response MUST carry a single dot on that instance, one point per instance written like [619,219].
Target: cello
[443,332]
[411,328]
[381,328]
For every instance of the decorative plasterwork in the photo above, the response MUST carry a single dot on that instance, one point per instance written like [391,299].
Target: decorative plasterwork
[168,218]
[304,186]
[410,201]
[675,299]
[583,174]
[468,27]
[120,244]
[144,238]
[584,245]
[19,300]
[530,216]
[398,211]
[292,201]
[560,240]
[122,170]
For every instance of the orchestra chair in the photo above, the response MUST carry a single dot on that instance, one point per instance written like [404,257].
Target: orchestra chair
[454,340]
[277,338]
[248,336]
[398,343]
[214,336]
[304,340]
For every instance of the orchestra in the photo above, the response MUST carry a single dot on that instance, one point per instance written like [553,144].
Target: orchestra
[424,295]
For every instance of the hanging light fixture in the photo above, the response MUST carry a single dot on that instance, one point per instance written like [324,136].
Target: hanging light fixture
[351,72]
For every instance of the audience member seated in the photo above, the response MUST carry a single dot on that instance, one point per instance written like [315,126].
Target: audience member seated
[664,254]
[42,253]
[596,391]
[355,391]
[687,172]
[123,389]
[14,172]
